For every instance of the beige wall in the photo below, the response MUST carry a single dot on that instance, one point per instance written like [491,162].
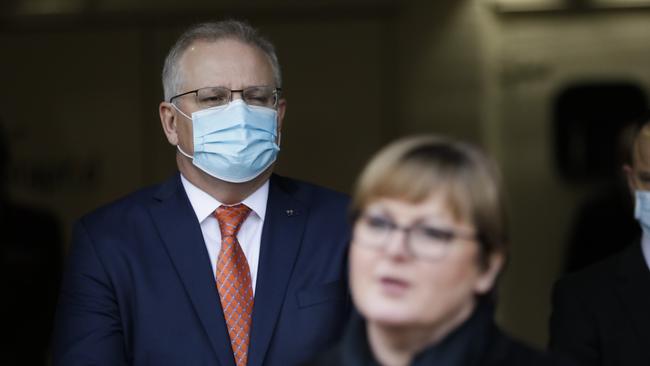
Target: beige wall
[73,121]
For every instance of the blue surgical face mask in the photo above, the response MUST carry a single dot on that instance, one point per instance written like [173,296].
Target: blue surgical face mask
[235,142]
[642,209]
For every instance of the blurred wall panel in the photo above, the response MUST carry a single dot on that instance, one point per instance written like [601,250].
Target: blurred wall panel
[341,103]
[439,75]
[72,108]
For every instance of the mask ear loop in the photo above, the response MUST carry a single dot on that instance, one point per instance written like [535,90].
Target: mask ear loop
[178,147]
[277,124]
[179,111]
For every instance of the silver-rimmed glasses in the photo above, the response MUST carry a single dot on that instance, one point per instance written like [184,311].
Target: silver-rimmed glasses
[262,96]
[422,241]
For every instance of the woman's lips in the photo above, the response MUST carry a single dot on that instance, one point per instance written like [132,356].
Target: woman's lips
[393,287]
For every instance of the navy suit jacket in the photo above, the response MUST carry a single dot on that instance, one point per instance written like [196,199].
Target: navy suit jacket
[601,314]
[139,288]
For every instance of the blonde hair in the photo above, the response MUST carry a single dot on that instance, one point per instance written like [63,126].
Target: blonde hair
[412,168]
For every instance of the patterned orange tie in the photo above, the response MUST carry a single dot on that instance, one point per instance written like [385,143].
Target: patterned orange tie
[234,280]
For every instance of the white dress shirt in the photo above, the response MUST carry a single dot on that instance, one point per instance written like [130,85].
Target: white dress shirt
[645,247]
[250,232]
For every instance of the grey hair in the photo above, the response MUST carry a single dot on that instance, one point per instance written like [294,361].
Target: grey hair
[172,77]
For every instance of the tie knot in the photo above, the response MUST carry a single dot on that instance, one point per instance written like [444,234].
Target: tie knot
[231,217]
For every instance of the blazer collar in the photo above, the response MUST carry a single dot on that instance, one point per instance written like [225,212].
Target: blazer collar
[286,216]
[634,289]
[181,234]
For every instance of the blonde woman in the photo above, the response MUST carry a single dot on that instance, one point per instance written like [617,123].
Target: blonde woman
[429,242]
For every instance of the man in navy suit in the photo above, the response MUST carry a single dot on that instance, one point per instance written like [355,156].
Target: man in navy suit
[225,263]
[601,314]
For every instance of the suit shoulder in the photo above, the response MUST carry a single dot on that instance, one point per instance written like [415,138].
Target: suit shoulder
[510,351]
[120,208]
[593,276]
[313,193]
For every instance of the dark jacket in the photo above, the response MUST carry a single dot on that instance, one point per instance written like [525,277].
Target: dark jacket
[477,342]
[139,288]
[601,315]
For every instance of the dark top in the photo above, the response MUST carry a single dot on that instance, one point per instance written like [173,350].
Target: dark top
[30,271]
[476,342]
[603,226]
[601,315]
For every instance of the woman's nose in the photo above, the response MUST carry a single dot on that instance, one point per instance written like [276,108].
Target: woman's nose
[398,244]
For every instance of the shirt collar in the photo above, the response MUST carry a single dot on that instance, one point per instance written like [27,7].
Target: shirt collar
[204,205]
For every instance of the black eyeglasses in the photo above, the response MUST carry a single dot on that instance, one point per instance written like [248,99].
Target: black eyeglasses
[422,241]
[262,96]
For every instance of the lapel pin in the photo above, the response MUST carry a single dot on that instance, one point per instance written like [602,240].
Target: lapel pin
[290,212]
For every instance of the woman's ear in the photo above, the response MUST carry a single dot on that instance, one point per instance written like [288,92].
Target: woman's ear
[488,277]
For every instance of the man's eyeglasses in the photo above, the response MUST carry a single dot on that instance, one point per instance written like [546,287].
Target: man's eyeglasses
[422,241]
[262,96]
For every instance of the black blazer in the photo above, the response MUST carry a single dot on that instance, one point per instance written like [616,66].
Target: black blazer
[601,315]
[477,342]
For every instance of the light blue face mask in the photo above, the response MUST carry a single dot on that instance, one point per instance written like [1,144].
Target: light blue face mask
[642,209]
[235,142]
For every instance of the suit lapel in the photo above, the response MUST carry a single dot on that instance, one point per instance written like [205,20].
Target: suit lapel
[634,289]
[181,234]
[281,239]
